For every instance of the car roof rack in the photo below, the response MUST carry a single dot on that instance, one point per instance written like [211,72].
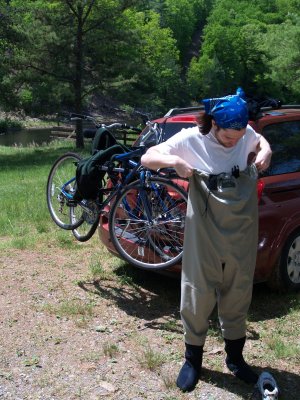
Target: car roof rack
[175,111]
[281,106]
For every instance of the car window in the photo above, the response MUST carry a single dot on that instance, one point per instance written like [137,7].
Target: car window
[284,138]
[172,128]
[168,130]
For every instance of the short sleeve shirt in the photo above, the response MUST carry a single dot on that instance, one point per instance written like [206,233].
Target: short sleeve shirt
[204,152]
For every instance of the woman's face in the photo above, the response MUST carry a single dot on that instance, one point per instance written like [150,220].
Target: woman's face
[228,137]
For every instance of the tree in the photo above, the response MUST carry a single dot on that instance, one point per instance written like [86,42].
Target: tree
[230,55]
[77,39]
[10,41]
[75,49]
[281,44]
[157,78]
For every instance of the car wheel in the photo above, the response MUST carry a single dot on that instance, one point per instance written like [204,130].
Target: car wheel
[286,275]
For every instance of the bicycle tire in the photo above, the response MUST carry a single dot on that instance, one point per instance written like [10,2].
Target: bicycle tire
[62,171]
[87,229]
[160,244]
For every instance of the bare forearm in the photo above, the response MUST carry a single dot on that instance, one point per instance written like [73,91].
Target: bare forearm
[153,159]
[264,154]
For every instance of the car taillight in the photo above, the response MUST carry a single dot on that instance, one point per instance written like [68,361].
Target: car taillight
[260,188]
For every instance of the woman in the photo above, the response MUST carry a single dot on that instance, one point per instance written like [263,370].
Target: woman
[221,157]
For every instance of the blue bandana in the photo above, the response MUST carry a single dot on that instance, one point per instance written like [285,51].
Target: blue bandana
[229,112]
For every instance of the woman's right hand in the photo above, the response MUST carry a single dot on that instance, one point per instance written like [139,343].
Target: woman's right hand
[183,168]
[154,159]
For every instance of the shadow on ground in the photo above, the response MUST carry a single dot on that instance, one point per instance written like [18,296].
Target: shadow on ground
[143,294]
[149,295]
[288,383]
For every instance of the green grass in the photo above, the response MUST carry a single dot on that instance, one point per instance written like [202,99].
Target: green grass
[70,308]
[24,217]
[110,349]
[97,270]
[151,359]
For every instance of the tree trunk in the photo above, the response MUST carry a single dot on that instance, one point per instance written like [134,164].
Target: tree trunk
[78,77]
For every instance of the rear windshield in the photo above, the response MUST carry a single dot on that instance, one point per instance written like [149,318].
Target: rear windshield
[168,130]
[284,138]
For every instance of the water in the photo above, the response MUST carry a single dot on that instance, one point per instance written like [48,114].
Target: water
[26,137]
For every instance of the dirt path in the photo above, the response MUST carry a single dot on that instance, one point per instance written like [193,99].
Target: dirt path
[65,336]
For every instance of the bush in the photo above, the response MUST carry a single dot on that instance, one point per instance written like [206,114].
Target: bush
[7,124]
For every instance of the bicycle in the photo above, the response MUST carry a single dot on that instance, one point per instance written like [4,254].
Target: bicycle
[147,211]
[81,220]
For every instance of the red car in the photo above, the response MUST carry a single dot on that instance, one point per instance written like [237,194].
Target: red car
[278,252]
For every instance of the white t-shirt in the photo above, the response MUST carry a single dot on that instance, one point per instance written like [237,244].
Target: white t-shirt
[204,152]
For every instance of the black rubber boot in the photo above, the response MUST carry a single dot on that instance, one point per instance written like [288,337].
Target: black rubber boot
[191,369]
[236,363]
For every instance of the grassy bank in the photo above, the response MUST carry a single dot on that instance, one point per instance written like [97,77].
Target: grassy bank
[129,318]
[15,122]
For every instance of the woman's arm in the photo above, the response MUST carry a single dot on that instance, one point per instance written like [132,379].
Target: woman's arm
[154,159]
[263,155]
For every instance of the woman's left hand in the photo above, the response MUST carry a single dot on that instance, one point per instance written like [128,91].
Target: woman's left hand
[263,160]
[263,156]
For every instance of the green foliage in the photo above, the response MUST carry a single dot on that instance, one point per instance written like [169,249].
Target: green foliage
[8,124]
[229,56]
[249,44]
[58,54]
[72,50]
[161,59]
[11,40]
[283,58]
[151,78]
[182,17]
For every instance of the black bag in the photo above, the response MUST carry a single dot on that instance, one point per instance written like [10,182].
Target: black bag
[89,178]
[103,140]
[255,104]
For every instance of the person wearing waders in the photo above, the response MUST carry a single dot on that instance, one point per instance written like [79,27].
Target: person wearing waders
[221,156]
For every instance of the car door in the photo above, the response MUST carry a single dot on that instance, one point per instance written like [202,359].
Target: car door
[279,207]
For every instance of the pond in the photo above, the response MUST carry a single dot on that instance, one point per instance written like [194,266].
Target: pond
[26,137]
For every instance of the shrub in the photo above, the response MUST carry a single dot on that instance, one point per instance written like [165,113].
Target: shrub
[7,124]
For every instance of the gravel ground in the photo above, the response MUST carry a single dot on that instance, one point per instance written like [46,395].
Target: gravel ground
[67,336]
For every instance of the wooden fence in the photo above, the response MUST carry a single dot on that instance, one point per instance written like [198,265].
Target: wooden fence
[68,132]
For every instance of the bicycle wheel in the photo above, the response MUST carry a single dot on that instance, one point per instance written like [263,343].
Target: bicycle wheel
[147,222]
[90,215]
[60,190]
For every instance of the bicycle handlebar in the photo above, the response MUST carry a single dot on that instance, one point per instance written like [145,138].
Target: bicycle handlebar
[121,126]
[118,125]
[153,128]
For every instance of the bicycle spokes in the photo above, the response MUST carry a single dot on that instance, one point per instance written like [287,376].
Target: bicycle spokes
[148,222]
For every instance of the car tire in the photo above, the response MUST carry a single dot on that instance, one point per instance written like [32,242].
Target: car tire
[286,274]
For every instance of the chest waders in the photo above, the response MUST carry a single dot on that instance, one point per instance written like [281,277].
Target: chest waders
[220,245]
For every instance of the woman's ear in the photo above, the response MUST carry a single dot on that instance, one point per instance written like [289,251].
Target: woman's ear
[214,126]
